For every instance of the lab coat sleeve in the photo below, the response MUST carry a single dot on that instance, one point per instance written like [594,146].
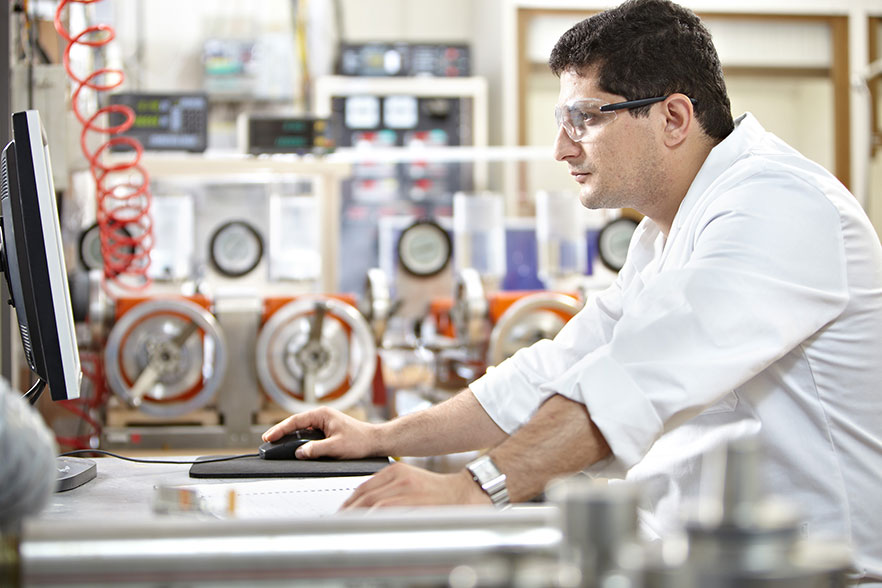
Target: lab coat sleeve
[766,272]
[511,392]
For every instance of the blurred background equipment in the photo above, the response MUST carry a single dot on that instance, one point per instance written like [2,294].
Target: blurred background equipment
[281,133]
[373,115]
[163,122]
[315,351]
[165,357]
[405,59]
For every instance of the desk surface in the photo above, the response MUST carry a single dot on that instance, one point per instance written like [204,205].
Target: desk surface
[129,490]
[121,488]
[106,533]
[98,534]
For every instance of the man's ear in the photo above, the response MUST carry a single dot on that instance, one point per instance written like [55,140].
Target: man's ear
[679,119]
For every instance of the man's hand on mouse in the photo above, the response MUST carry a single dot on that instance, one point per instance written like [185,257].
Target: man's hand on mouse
[345,436]
[404,485]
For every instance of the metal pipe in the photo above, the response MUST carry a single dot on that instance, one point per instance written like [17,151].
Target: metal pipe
[397,547]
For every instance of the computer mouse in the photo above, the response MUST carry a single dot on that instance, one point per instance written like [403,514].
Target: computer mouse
[284,447]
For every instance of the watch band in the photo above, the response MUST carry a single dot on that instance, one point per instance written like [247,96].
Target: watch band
[490,479]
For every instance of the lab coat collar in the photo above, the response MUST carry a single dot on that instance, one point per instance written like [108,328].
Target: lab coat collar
[747,132]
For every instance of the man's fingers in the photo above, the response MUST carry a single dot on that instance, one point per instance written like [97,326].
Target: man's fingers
[375,483]
[390,486]
[372,499]
[282,428]
[403,485]
[346,437]
[313,418]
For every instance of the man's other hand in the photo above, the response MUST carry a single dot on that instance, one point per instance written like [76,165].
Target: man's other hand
[404,485]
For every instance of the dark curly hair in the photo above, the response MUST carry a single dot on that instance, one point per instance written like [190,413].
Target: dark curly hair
[647,48]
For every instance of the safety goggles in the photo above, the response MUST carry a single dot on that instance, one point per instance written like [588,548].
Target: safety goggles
[582,118]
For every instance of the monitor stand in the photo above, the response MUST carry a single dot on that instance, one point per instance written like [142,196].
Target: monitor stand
[74,472]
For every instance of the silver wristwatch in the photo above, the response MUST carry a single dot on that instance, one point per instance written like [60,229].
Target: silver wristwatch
[490,479]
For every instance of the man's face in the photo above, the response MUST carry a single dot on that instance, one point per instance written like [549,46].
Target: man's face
[617,161]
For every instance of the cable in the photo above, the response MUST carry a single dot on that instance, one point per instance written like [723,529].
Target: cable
[166,461]
[33,395]
[300,14]
[123,209]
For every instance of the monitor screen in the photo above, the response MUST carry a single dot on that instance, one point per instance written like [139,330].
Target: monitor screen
[33,259]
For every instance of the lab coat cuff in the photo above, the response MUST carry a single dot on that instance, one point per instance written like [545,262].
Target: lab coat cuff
[507,397]
[621,411]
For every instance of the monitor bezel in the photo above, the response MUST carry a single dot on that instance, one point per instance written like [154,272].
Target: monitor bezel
[35,266]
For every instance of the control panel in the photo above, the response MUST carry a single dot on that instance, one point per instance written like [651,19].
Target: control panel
[266,133]
[405,59]
[164,122]
[421,189]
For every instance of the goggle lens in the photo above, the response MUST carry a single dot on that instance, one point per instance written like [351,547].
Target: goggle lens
[580,117]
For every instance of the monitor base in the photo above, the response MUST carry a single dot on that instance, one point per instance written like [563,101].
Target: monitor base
[73,472]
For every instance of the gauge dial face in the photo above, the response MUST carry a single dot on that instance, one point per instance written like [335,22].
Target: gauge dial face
[236,248]
[613,242]
[362,112]
[424,248]
[90,245]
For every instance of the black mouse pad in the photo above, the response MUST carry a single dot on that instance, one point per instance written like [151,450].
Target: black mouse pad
[255,467]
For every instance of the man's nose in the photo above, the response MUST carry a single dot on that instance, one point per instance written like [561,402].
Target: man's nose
[564,146]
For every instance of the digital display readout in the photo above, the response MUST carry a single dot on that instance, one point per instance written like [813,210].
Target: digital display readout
[299,135]
[165,122]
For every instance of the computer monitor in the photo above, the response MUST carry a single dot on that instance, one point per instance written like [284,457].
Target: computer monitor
[32,259]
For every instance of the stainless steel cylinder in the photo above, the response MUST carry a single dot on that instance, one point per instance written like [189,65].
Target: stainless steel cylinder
[599,531]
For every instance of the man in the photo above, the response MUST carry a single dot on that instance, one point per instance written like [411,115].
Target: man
[750,304]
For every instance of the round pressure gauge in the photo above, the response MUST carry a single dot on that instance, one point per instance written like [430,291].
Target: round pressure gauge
[236,248]
[90,245]
[424,248]
[613,242]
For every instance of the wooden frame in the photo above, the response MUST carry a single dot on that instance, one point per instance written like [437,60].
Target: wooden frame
[874,24]
[524,16]
[838,72]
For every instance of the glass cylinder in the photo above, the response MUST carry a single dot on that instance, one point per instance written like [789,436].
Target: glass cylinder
[560,235]
[479,233]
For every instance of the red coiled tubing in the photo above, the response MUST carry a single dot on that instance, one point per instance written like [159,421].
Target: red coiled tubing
[122,189]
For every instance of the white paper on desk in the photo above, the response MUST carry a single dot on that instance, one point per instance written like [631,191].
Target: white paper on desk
[284,497]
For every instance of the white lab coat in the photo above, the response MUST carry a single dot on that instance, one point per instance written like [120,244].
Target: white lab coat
[760,313]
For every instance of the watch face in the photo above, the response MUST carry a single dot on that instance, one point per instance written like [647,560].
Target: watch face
[424,248]
[613,242]
[236,248]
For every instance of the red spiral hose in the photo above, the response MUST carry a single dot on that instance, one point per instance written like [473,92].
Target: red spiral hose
[122,210]
[87,408]
[123,189]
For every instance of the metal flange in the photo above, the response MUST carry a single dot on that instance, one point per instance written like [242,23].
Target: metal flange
[531,318]
[470,311]
[316,351]
[377,305]
[166,357]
